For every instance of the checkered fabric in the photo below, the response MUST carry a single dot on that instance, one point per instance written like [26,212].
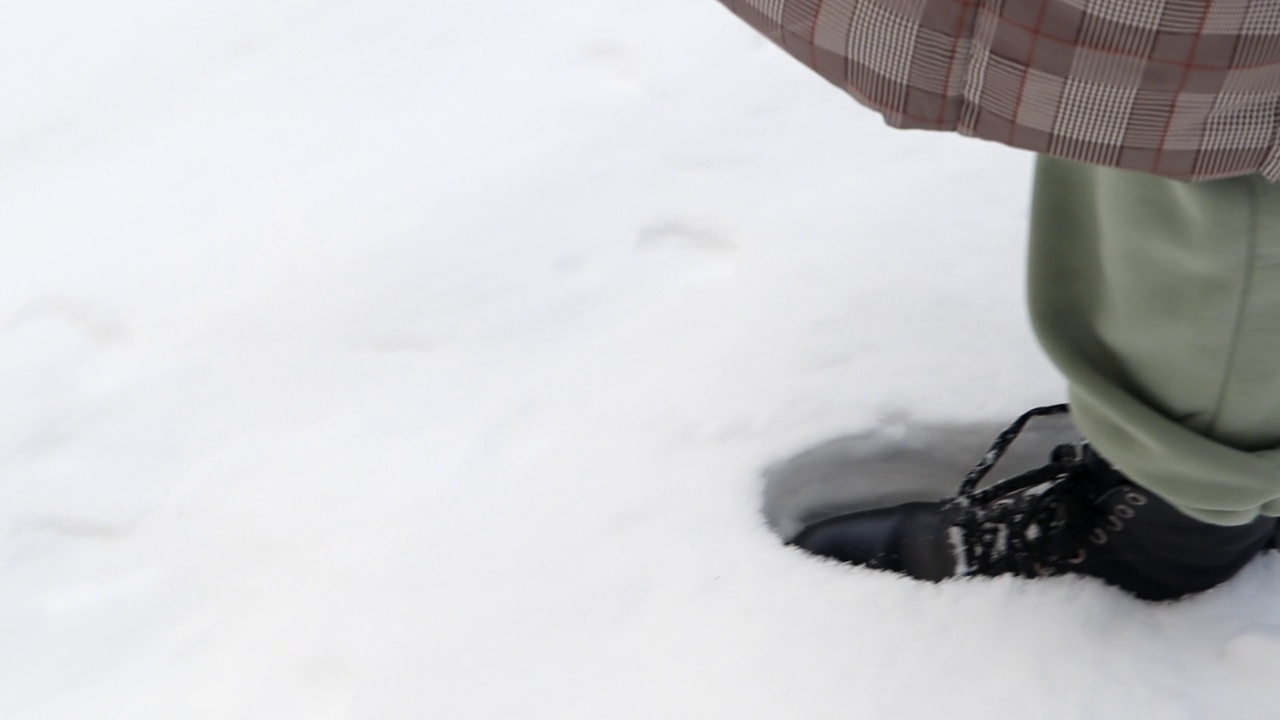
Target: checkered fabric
[1188,89]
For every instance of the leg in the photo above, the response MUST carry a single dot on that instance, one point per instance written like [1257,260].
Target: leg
[1160,302]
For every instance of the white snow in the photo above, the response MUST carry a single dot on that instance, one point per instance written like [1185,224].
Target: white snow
[388,359]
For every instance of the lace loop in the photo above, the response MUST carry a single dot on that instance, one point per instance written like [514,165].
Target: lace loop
[1002,443]
[1031,524]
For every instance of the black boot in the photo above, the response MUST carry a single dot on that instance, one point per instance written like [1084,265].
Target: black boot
[1076,514]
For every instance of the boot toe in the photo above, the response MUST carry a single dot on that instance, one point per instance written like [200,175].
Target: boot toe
[903,538]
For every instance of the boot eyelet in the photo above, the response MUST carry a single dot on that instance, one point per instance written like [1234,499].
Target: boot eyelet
[1064,453]
[1124,511]
[1114,522]
[1135,498]
[1098,536]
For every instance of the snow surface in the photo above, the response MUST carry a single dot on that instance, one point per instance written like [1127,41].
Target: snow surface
[393,359]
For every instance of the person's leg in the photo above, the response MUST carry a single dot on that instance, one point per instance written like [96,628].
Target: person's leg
[1160,302]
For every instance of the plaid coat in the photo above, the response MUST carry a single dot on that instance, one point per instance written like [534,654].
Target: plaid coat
[1188,89]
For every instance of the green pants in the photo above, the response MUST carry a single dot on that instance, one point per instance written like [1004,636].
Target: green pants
[1160,302]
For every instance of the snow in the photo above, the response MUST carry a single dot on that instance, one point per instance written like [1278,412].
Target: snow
[379,360]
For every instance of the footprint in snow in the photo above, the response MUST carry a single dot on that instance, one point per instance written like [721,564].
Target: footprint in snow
[687,251]
[49,315]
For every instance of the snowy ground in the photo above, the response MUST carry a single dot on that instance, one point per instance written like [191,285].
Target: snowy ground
[388,359]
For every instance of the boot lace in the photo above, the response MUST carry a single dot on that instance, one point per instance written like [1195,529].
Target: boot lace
[1034,524]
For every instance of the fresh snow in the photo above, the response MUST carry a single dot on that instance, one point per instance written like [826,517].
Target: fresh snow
[386,359]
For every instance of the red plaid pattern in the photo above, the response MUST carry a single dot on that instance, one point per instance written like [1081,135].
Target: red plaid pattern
[1188,89]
